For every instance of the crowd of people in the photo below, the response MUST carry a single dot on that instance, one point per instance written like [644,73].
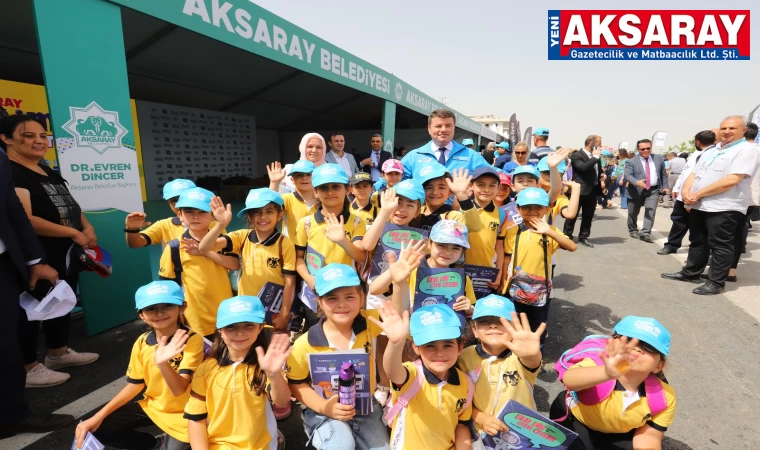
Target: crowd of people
[436,266]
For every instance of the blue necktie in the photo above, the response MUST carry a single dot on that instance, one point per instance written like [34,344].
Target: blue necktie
[442,156]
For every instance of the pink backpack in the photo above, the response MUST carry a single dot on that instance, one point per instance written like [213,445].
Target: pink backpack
[392,409]
[590,347]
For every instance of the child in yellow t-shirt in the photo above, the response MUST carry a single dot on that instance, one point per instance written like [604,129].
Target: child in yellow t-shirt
[300,203]
[361,189]
[439,186]
[487,245]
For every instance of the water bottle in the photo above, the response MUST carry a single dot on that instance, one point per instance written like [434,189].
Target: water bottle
[347,384]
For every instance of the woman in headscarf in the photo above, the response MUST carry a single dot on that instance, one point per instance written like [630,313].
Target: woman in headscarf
[312,148]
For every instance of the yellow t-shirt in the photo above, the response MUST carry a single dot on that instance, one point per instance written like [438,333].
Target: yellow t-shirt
[531,251]
[238,418]
[260,261]
[331,252]
[497,379]
[555,213]
[159,403]
[469,292]
[165,230]
[206,285]
[468,216]
[482,251]
[611,415]
[368,213]
[314,341]
[430,418]
[295,210]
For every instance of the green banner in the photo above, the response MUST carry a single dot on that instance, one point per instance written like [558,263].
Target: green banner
[250,27]
[389,125]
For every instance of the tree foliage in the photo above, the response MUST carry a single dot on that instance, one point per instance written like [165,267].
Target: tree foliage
[686,146]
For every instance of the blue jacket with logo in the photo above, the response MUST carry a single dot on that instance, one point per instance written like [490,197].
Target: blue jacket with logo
[461,157]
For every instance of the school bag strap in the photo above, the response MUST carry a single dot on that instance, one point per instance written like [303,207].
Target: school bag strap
[176,260]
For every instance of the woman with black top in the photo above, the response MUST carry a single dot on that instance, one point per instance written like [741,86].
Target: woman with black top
[59,223]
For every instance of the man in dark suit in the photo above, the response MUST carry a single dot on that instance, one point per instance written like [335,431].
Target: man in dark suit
[587,171]
[647,179]
[21,266]
[372,161]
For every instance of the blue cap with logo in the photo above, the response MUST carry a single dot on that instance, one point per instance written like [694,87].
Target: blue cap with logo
[529,169]
[434,323]
[606,153]
[450,232]
[503,144]
[157,293]
[259,198]
[410,189]
[467,141]
[197,198]
[328,173]
[543,166]
[544,132]
[646,330]
[175,187]
[429,171]
[533,196]
[485,170]
[243,308]
[334,276]
[302,166]
[494,305]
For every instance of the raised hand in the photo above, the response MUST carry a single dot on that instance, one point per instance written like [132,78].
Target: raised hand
[395,325]
[135,221]
[277,353]
[460,182]
[222,214]
[389,200]
[539,225]
[410,257]
[618,356]
[334,231]
[276,172]
[523,342]
[555,158]
[167,349]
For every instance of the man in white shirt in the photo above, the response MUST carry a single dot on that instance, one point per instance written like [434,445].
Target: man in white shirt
[717,191]
[675,167]
[337,154]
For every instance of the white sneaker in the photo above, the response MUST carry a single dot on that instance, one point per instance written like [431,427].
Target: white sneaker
[71,358]
[41,377]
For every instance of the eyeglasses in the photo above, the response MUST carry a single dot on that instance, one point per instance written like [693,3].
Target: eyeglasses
[645,149]
[521,153]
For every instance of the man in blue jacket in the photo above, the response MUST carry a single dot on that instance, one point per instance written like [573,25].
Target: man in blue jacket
[442,148]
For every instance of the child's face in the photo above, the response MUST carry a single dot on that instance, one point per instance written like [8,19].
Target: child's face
[172,202]
[522,181]
[490,332]
[407,210]
[532,212]
[545,182]
[265,219]
[392,178]
[485,189]
[163,316]
[445,255]
[646,359]
[503,193]
[302,181]
[195,219]
[342,305]
[332,195]
[362,191]
[439,356]
[240,336]
[436,193]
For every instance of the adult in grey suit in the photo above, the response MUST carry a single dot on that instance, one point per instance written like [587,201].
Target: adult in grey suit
[646,179]
[338,155]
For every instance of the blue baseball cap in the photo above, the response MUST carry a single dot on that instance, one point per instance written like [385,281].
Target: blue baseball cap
[197,198]
[485,170]
[243,308]
[259,198]
[544,132]
[494,305]
[529,169]
[328,173]
[450,232]
[646,330]
[334,276]
[533,196]
[606,153]
[175,187]
[434,323]
[159,292]
[429,171]
[543,166]
[410,189]
[302,166]
[467,141]
[503,144]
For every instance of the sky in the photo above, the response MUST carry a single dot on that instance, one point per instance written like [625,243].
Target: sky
[490,57]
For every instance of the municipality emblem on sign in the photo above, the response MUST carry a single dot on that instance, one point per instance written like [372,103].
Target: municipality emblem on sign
[399,91]
[95,127]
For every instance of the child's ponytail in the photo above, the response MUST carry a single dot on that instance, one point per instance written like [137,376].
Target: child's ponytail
[256,377]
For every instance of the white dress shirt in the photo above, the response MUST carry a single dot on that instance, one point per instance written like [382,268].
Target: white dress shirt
[376,171]
[3,249]
[653,178]
[437,150]
[343,161]
[691,161]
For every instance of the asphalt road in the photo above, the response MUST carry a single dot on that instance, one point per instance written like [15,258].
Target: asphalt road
[714,354]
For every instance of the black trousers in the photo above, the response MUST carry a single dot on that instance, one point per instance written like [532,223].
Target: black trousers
[680,218]
[13,408]
[119,430]
[588,439]
[587,206]
[715,232]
